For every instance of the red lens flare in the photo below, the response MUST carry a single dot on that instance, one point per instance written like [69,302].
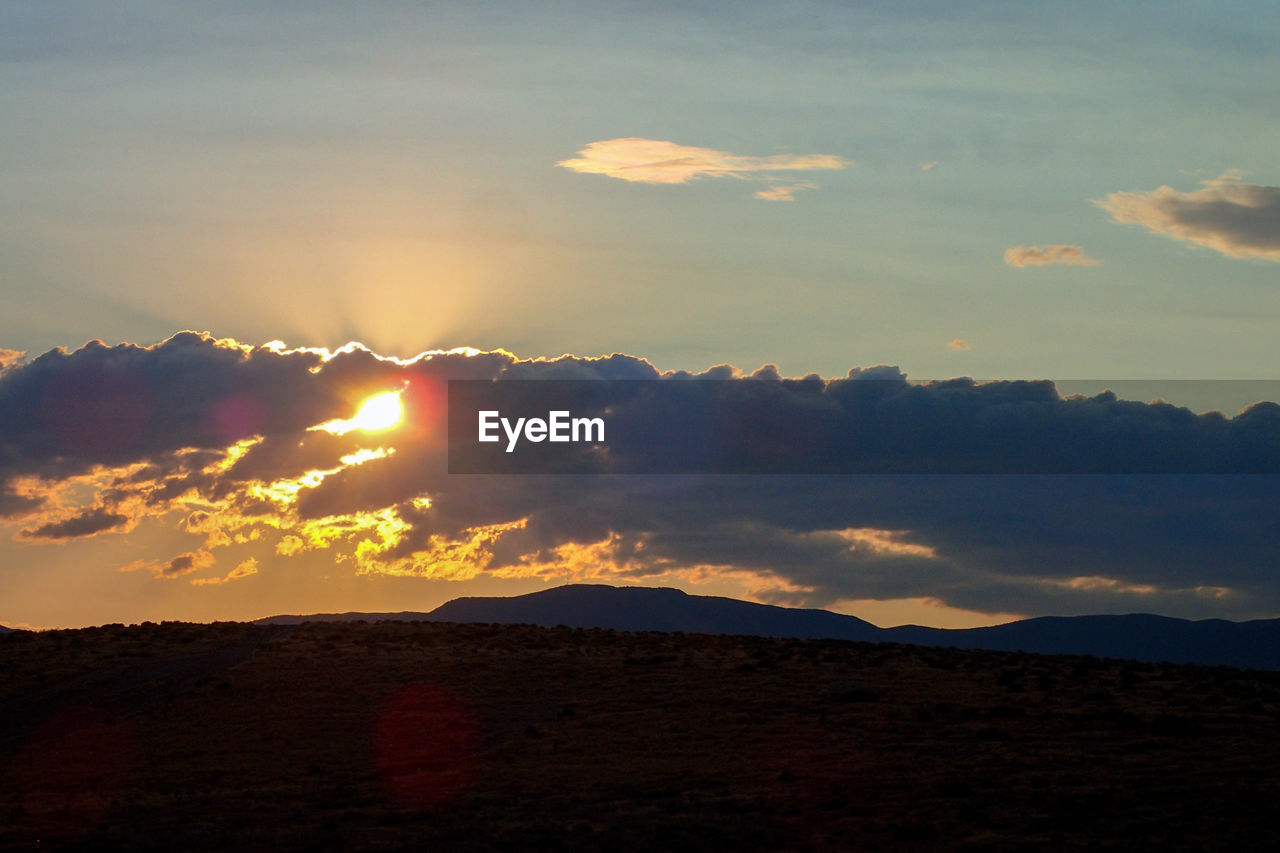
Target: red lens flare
[425,745]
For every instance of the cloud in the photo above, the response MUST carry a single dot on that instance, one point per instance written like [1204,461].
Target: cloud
[14,505]
[783,192]
[959,344]
[226,455]
[1027,256]
[1237,219]
[290,545]
[9,358]
[928,165]
[243,570]
[656,161]
[88,523]
[182,564]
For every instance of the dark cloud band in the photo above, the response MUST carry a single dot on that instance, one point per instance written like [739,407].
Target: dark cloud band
[217,439]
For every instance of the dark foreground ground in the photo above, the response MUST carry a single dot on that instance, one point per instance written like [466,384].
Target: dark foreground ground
[456,737]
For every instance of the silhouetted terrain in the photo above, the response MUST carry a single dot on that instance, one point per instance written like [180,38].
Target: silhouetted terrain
[1137,636]
[388,736]
[426,735]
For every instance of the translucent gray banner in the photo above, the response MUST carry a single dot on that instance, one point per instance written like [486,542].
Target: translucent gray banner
[855,426]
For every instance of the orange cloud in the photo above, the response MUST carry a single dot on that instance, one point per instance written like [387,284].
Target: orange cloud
[90,522]
[290,545]
[656,161]
[244,570]
[182,564]
[1034,256]
[1237,219]
[959,344]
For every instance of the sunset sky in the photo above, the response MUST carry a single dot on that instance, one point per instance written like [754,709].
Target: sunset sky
[225,195]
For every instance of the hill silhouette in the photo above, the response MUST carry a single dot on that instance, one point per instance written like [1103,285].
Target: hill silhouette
[1142,637]
[655,609]
[1136,636]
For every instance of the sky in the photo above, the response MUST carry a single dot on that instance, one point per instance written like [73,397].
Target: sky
[225,195]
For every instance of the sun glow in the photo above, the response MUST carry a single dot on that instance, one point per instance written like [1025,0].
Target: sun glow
[379,412]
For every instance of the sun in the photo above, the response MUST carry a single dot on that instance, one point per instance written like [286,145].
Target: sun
[379,412]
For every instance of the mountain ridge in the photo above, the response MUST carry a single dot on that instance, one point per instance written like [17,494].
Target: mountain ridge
[1136,636]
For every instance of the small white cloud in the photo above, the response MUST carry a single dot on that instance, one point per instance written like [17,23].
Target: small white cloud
[1033,256]
[783,192]
[657,161]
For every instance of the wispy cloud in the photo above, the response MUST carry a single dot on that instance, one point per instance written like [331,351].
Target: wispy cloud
[90,522]
[1237,219]
[657,161]
[928,165]
[245,569]
[182,564]
[959,344]
[783,192]
[1033,256]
